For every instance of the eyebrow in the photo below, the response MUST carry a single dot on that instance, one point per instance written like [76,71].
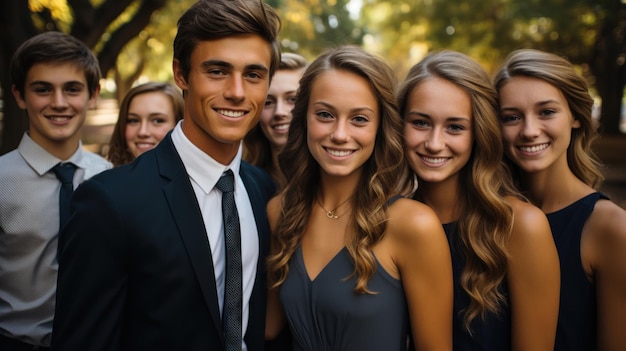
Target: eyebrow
[43,82]
[224,64]
[356,109]
[451,119]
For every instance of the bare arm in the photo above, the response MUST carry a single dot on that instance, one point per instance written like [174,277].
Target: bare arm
[534,280]
[607,230]
[422,255]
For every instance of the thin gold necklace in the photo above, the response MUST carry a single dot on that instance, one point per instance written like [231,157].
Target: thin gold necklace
[332,213]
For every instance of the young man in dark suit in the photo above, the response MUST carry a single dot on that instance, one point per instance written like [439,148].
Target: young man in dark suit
[144,259]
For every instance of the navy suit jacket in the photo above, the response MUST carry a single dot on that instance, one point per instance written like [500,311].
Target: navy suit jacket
[135,267]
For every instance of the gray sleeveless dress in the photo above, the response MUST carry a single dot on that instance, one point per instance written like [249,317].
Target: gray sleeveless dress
[326,314]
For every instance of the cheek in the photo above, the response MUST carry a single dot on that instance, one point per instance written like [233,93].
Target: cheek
[130,132]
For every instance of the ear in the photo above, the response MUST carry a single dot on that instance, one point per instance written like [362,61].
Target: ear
[179,76]
[576,123]
[18,97]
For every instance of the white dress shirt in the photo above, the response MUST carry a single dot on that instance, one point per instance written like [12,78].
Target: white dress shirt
[204,172]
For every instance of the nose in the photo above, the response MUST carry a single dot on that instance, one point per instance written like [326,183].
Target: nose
[340,133]
[58,100]
[530,128]
[234,89]
[144,129]
[283,108]
[435,141]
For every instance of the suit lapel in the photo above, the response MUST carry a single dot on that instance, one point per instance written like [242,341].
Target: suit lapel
[186,213]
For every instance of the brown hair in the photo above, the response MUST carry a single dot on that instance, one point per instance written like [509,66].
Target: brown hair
[51,48]
[560,73]
[216,19]
[485,221]
[377,182]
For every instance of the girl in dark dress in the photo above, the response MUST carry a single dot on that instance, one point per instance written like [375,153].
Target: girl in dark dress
[355,267]
[506,270]
[545,117]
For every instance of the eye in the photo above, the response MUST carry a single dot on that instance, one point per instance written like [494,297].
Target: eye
[547,113]
[254,76]
[456,128]
[324,115]
[360,119]
[159,120]
[419,123]
[74,89]
[291,99]
[132,120]
[269,103]
[508,119]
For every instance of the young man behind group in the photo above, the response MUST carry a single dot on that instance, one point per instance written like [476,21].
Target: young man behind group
[56,80]
[145,258]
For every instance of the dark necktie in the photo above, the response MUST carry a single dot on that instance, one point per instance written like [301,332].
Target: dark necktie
[231,314]
[65,174]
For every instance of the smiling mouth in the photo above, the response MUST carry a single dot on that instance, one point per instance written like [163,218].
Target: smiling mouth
[230,113]
[339,153]
[281,127]
[534,148]
[59,118]
[434,160]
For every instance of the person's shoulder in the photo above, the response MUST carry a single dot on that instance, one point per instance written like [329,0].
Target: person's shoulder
[259,177]
[529,221]
[608,220]
[408,217]
[95,163]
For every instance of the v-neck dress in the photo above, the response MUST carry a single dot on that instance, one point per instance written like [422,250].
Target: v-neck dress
[576,329]
[326,314]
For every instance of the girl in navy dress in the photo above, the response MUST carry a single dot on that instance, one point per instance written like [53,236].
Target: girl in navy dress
[354,267]
[506,270]
[545,117]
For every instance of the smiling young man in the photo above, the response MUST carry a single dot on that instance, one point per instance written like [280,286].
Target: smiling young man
[56,80]
[144,260]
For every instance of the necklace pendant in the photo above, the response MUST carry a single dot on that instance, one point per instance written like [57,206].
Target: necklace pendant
[331,215]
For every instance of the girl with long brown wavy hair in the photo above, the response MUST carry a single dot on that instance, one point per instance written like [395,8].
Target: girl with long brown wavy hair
[545,117]
[353,266]
[506,273]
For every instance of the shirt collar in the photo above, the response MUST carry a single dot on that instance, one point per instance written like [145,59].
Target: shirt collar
[42,161]
[202,168]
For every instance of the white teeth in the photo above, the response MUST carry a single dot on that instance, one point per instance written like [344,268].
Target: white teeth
[230,113]
[339,153]
[59,119]
[434,159]
[281,127]
[534,148]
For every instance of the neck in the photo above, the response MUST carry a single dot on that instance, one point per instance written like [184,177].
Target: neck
[554,189]
[443,198]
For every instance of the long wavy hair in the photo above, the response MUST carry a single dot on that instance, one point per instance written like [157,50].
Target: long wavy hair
[560,73]
[257,148]
[486,218]
[380,171]
[118,152]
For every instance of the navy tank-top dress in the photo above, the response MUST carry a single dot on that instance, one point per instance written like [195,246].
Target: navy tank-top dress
[493,333]
[326,314]
[576,329]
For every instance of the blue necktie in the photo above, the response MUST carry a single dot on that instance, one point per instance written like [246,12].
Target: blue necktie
[232,312]
[65,174]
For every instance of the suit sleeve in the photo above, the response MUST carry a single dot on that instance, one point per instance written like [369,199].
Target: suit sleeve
[93,278]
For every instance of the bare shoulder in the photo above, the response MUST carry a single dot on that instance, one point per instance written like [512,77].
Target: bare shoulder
[607,223]
[530,229]
[411,219]
[527,218]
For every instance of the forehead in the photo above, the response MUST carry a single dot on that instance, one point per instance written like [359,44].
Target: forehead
[524,89]
[56,73]
[237,51]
